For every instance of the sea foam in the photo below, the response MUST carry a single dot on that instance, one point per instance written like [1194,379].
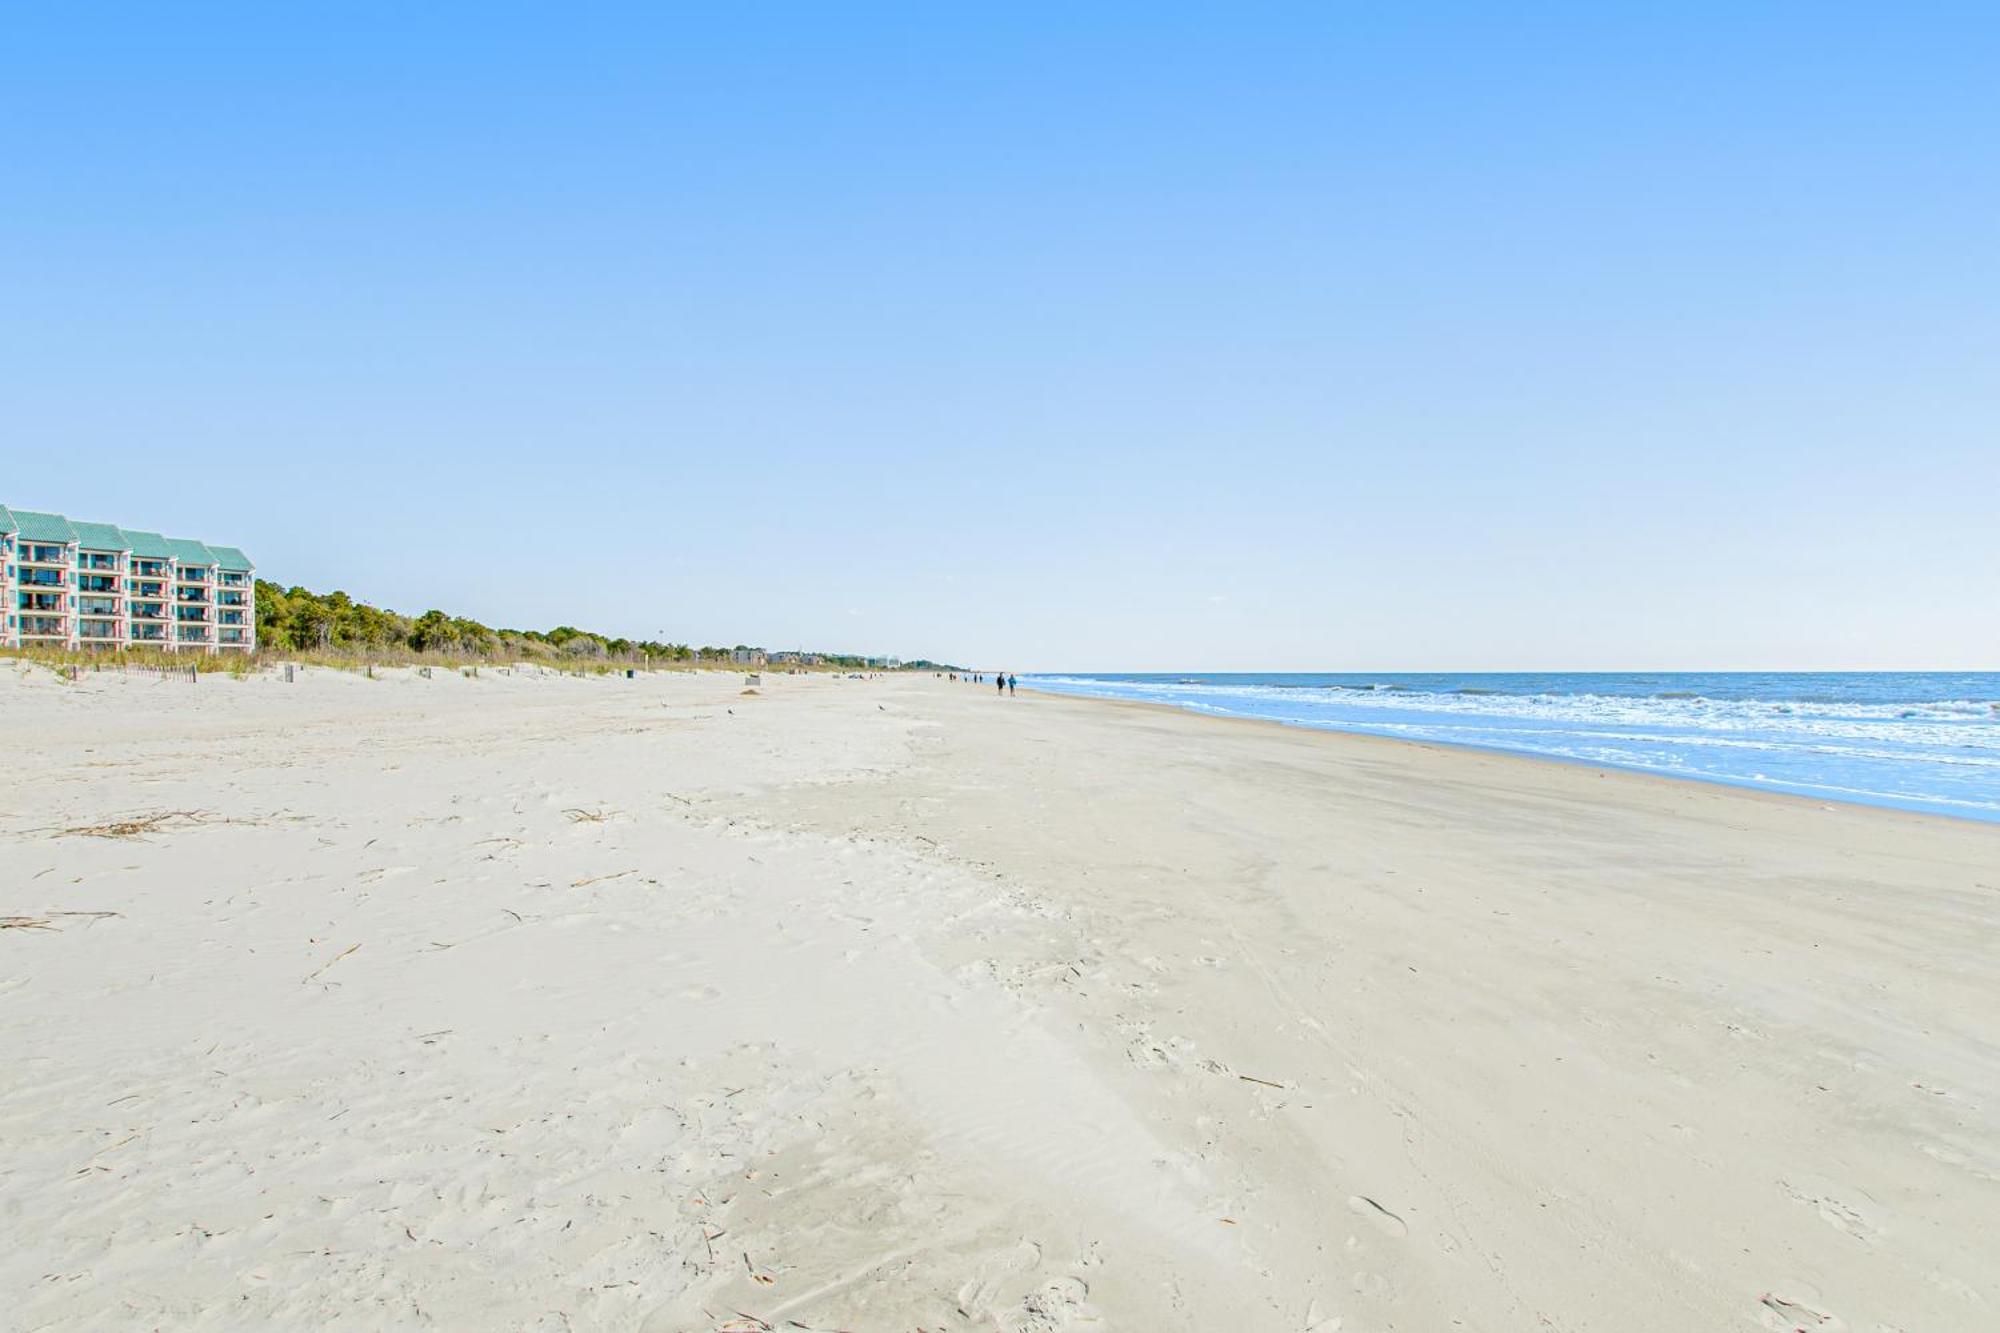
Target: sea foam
[1920,741]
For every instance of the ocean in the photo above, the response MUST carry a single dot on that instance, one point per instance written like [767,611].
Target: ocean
[1925,741]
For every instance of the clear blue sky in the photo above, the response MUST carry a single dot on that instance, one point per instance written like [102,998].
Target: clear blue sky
[1042,336]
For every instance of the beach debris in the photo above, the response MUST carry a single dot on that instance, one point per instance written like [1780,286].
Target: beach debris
[47,920]
[599,879]
[1795,1316]
[1390,1224]
[589,816]
[138,826]
[1263,1082]
[329,963]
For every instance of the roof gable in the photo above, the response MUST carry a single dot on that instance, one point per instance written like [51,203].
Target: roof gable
[229,558]
[100,537]
[39,527]
[149,545]
[190,552]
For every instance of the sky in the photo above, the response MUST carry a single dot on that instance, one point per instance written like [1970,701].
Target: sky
[1037,337]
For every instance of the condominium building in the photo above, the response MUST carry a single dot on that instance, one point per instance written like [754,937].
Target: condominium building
[74,585]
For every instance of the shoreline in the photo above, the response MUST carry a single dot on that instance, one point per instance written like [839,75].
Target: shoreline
[1537,757]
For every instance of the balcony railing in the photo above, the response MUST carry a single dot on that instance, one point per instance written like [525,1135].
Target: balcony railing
[107,563]
[44,627]
[149,633]
[96,606]
[193,634]
[42,579]
[150,569]
[96,583]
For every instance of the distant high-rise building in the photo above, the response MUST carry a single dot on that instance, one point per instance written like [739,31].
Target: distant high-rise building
[65,584]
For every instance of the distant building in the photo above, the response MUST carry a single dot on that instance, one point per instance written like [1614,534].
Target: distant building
[747,657]
[74,585]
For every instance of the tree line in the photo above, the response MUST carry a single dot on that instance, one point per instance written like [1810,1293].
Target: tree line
[300,620]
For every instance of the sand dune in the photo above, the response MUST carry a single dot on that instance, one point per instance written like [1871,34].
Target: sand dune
[536,1002]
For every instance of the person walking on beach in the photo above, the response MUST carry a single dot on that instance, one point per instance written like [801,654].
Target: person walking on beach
[1000,682]
[1012,681]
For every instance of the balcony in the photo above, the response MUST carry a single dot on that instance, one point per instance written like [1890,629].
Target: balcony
[230,580]
[149,634]
[44,627]
[232,636]
[108,564]
[192,576]
[46,602]
[96,583]
[98,631]
[229,599]
[192,597]
[185,615]
[42,578]
[153,590]
[97,606]
[45,555]
[150,569]
[192,634]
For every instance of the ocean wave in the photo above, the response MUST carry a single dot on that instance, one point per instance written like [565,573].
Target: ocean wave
[1676,704]
[1940,753]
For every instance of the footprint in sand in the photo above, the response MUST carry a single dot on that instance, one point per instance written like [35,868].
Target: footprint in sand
[1851,1215]
[1058,1305]
[1785,1314]
[1385,1221]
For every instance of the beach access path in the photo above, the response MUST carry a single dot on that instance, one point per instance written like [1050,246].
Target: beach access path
[535,1001]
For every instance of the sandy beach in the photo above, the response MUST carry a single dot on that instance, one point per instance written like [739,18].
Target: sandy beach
[540,1002]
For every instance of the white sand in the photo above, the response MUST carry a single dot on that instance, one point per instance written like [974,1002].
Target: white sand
[531,1002]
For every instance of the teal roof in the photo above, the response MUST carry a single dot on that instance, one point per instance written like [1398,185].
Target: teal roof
[36,527]
[190,553]
[150,545]
[100,537]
